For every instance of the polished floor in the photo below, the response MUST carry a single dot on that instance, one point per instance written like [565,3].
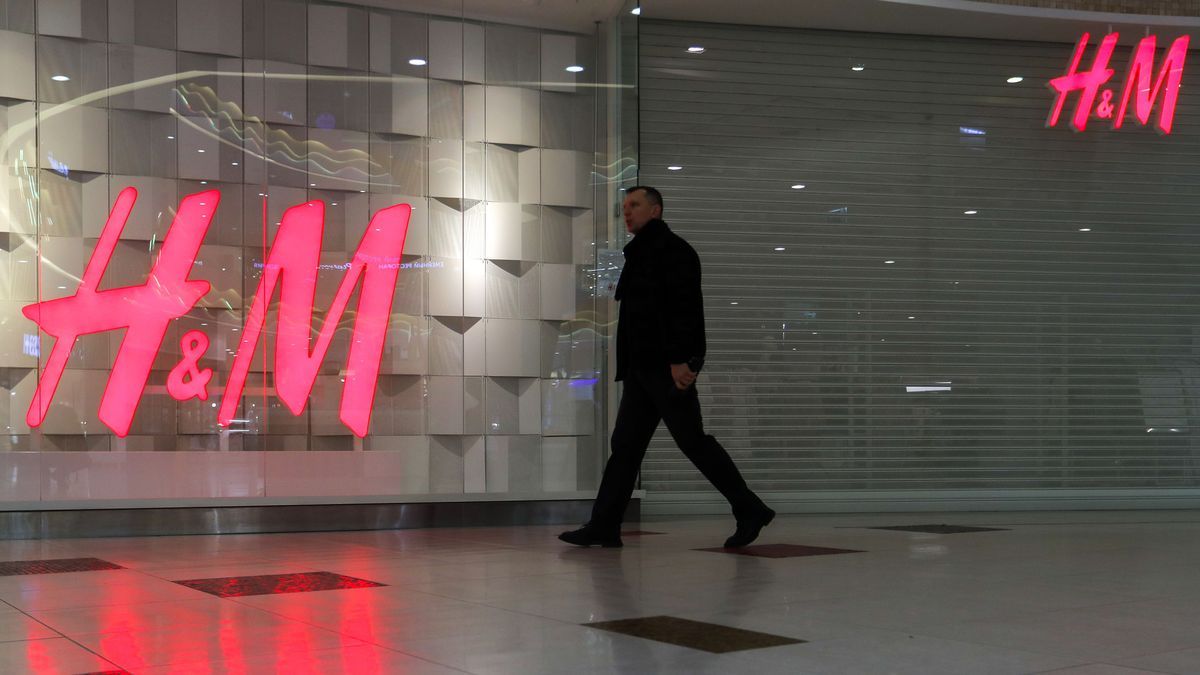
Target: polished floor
[1084,593]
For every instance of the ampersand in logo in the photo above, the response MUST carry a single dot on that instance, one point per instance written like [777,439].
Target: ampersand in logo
[193,345]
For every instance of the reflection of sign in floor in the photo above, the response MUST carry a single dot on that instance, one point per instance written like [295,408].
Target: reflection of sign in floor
[292,265]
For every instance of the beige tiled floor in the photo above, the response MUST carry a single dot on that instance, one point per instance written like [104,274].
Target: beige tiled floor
[1084,593]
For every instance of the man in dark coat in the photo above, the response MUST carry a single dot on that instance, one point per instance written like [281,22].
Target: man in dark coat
[660,351]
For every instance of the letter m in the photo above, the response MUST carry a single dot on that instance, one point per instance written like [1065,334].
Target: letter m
[1138,83]
[293,263]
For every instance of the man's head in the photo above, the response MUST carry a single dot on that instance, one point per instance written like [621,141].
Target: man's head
[642,204]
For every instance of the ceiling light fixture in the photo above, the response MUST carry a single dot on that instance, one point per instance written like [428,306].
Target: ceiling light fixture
[60,78]
[417,62]
[1015,79]
[574,69]
[674,167]
[798,186]
[970,213]
[695,49]
[636,11]
[858,68]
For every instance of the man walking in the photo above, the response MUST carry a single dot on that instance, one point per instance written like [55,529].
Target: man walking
[660,351]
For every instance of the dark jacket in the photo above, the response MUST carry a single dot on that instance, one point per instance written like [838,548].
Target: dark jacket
[661,319]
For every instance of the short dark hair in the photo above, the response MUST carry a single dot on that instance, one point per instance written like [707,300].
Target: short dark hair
[653,195]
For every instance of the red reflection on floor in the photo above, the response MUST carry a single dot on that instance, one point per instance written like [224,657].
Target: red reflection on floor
[273,584]
[56,566]
[780,550]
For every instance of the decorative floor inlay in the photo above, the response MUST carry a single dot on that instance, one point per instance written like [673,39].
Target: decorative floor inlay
[272,584]
[780,550]
[709,637]
[939,529]
[56,566]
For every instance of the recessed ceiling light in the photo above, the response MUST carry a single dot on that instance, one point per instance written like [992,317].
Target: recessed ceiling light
[1085,229]
[574,69]
[1015,79]
[970,213]
[695,49]
[912,317]
[170,138]
[798,186]
[200,150]
[417,62]
[889,262]
[234,163]
[780,248]
[60,78]
[636,11]
[733,303]
[858,68]
[204,182]
[674,167]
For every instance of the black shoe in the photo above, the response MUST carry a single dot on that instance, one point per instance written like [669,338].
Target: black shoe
[747,530]
[586,536]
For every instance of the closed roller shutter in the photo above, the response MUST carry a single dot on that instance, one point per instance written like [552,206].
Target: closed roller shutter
[1004,349]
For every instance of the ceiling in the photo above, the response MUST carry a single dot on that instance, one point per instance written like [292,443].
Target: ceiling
[962,18]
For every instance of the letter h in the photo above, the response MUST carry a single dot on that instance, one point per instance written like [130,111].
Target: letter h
[1087,83]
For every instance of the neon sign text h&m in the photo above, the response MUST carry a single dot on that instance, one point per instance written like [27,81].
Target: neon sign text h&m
[145,311]
[1141,84]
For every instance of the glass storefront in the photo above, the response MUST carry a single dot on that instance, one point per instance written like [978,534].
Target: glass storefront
[917,292]
[250,132]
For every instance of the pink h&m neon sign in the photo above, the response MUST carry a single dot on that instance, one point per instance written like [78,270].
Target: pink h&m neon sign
[1141,84]
[145,312]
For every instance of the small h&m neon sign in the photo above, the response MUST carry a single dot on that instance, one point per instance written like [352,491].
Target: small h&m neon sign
[1143,85]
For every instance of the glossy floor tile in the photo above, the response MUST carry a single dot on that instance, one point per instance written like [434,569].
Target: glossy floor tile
[276,584]
[779,550]
[57,566]
[1106,593]
[938,529]
[709,637]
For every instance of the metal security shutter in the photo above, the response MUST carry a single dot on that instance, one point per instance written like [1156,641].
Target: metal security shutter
[1006,351]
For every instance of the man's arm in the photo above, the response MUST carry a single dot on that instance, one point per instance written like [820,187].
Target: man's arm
[684,314]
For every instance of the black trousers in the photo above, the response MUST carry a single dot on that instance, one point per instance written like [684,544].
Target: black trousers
[650,396]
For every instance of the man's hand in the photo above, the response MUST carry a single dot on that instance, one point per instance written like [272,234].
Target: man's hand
[683,376]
